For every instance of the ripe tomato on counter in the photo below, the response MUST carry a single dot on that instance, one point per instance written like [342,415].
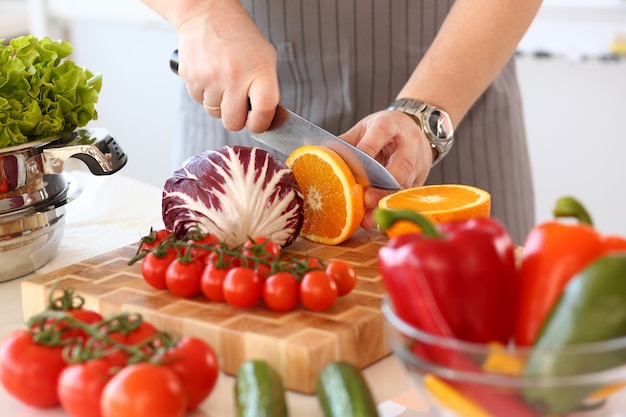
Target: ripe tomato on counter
[81,385]
[29,371]
[121,365]
[144,390]
[195,363]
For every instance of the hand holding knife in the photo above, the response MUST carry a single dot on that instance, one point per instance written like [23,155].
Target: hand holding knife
[289,131]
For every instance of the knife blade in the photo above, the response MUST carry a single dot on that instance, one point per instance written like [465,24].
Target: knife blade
[289,131]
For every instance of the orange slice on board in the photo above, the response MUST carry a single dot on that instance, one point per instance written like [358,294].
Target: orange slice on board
[333,200]
[439,203]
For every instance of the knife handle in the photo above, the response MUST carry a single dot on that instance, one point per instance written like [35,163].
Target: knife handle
[174,68]
[174,62]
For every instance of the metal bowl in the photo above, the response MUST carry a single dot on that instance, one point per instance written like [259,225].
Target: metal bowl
[29,238]
[34,189]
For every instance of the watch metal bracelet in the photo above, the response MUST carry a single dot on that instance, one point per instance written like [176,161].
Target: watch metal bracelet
[434,122]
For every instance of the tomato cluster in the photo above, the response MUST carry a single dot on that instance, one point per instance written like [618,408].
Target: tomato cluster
[241,276]
[94,366]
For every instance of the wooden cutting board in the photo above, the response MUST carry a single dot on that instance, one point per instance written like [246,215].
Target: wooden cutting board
[298,344]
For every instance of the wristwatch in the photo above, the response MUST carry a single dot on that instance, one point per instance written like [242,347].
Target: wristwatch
[434,122]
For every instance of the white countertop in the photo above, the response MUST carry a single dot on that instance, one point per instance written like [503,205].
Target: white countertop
[114,211]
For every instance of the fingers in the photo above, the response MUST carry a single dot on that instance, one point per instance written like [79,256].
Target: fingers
[243,109]
[264,98]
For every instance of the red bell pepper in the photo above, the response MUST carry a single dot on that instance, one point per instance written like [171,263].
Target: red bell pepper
[554,251]
[458,279]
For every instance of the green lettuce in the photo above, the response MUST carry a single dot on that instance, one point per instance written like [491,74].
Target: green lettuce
[42,95]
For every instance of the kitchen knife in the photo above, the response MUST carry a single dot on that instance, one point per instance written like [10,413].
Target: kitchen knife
[289,131]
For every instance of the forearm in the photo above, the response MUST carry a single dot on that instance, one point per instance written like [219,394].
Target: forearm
[177,12]
[474,43]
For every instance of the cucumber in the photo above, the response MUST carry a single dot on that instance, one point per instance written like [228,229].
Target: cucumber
[343,392]
[259,391]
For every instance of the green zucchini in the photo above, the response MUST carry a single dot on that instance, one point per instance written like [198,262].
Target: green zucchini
[343,392]
[259,391]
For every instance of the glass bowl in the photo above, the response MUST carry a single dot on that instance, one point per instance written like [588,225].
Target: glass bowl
[466,379]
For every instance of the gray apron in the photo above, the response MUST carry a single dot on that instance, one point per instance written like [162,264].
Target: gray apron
[340,60]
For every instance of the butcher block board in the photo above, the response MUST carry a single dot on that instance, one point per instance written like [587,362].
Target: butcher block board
[298,344]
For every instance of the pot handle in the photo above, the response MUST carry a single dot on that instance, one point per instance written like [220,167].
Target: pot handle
[95,147]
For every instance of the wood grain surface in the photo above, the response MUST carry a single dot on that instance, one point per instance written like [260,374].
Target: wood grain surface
[298,344]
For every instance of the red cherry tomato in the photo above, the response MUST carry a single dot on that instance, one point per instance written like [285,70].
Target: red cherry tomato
[30,371]
[343,274]
[70,331]
[318,290]
[195,363]
[280,291]
[262,248]
[242,287]
[308,263]
[81,385]
[136,334]
[202,253]
[153,239]
[144,390]
[153,268]
[212,282]
[183,278]
[223,260]
[263,270]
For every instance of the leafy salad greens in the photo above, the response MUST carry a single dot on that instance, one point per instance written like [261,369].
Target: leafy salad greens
[41,94]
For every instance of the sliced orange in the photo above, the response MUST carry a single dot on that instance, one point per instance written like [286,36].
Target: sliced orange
[439,203]
[333,200]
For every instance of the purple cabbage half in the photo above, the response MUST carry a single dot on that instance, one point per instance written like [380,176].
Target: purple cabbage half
[235,193]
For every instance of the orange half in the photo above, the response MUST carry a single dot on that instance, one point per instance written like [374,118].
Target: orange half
[333,200]
[439,203]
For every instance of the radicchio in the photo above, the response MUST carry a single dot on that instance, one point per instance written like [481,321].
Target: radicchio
[235,193]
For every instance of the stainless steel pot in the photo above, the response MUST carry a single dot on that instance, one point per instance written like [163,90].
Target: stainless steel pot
[34,190]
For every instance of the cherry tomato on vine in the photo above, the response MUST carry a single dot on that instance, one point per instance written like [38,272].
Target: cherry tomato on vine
[303,265]
[280,291]
[62,325]
[81,385]
[318,290]
[223,260]
[343,274]
[144,390]
[183,277]
[212,282]
[195,363]
[153,267]
[153,239]
[242,287]
[139,334]
[201,254]
[262,248]
[263,270]
[29,371]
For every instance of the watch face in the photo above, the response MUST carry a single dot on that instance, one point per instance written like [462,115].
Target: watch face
[439,124]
